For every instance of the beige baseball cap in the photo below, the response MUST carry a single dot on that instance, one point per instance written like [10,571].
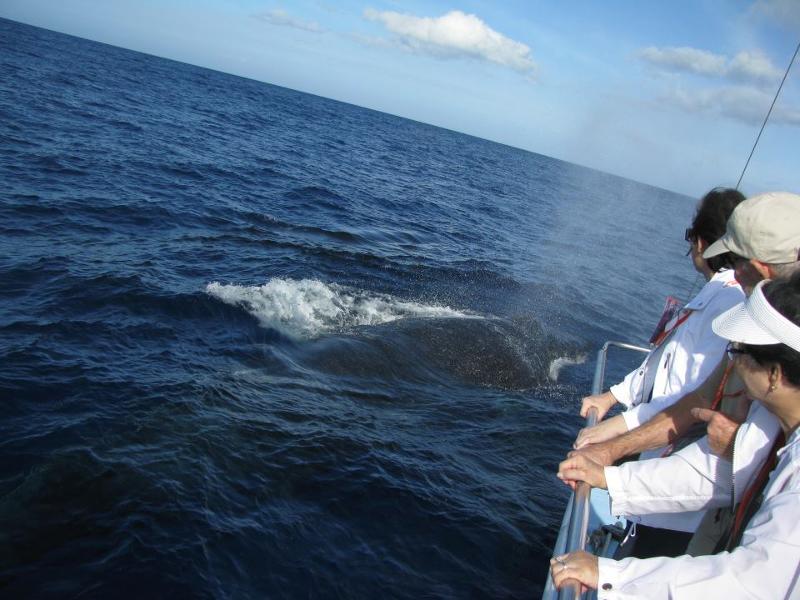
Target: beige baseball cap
[765,227]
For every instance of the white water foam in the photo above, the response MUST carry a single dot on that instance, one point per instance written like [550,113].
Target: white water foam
[309,308]
[563,361]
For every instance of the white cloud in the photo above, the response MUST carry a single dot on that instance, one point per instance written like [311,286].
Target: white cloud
[753,66]
[685,59]
[740,103]
[277,16]
[456,34]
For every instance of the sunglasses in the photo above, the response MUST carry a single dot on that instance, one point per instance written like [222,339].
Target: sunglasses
[690,235]
[734,348]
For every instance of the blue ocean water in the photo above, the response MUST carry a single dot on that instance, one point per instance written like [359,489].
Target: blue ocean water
[256,343]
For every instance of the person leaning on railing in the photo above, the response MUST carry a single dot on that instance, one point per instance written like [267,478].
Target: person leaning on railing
[759,555]
[685,352]
[762,241]
[683,346]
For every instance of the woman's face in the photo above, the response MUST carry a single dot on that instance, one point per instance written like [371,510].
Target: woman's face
[754,376]
[696,252]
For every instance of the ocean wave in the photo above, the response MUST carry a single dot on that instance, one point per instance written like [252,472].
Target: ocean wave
[308,308]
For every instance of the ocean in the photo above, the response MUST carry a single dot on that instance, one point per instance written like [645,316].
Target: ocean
[256,343]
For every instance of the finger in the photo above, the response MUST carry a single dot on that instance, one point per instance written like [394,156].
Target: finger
[561,578]
[578,438]
[572,475]
[703,414]
[570,463]
[724,419]
[700,400]
[582,442]
[558,560]
[566,467]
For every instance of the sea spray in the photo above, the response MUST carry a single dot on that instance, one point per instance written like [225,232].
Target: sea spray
[563,361]
[308,308]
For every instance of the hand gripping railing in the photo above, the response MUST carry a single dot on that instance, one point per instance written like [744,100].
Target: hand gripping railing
[574,538]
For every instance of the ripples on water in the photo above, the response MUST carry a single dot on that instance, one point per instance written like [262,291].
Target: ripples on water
[255,343]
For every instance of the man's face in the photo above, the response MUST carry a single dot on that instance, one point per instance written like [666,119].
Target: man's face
[745,272]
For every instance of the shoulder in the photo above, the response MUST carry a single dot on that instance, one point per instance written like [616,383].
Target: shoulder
[721,293]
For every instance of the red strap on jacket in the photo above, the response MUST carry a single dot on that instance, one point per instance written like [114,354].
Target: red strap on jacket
[662,336]
[719,395]
[743,512]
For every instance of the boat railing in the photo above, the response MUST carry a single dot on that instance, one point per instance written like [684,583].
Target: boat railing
[573,533]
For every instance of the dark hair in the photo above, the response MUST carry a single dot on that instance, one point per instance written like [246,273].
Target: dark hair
[784,296]
[711,218]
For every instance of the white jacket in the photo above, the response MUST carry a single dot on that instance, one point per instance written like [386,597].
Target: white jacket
[688,356]
[767,562]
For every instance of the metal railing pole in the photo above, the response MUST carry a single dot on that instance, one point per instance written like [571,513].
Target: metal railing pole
[578,506]
[578,524]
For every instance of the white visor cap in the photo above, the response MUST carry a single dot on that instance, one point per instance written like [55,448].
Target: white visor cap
[756,322]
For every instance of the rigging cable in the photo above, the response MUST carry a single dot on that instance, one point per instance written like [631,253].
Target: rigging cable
[764,124]
[697,278]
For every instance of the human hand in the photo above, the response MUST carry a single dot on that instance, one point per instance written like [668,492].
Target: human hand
[578,467]
[721,430]
[601,453]
[601,432]
[603,403]
[580,566]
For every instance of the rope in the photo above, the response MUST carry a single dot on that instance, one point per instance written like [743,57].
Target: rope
[769,112]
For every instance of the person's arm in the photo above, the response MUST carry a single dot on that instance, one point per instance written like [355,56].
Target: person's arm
[603,431]
[707,387]
[764,566]
[692,479]
[662,429]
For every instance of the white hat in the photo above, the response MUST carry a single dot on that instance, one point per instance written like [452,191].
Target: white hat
[765,227]
[756,322]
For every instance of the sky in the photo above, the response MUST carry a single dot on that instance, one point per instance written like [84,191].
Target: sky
[668,93]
